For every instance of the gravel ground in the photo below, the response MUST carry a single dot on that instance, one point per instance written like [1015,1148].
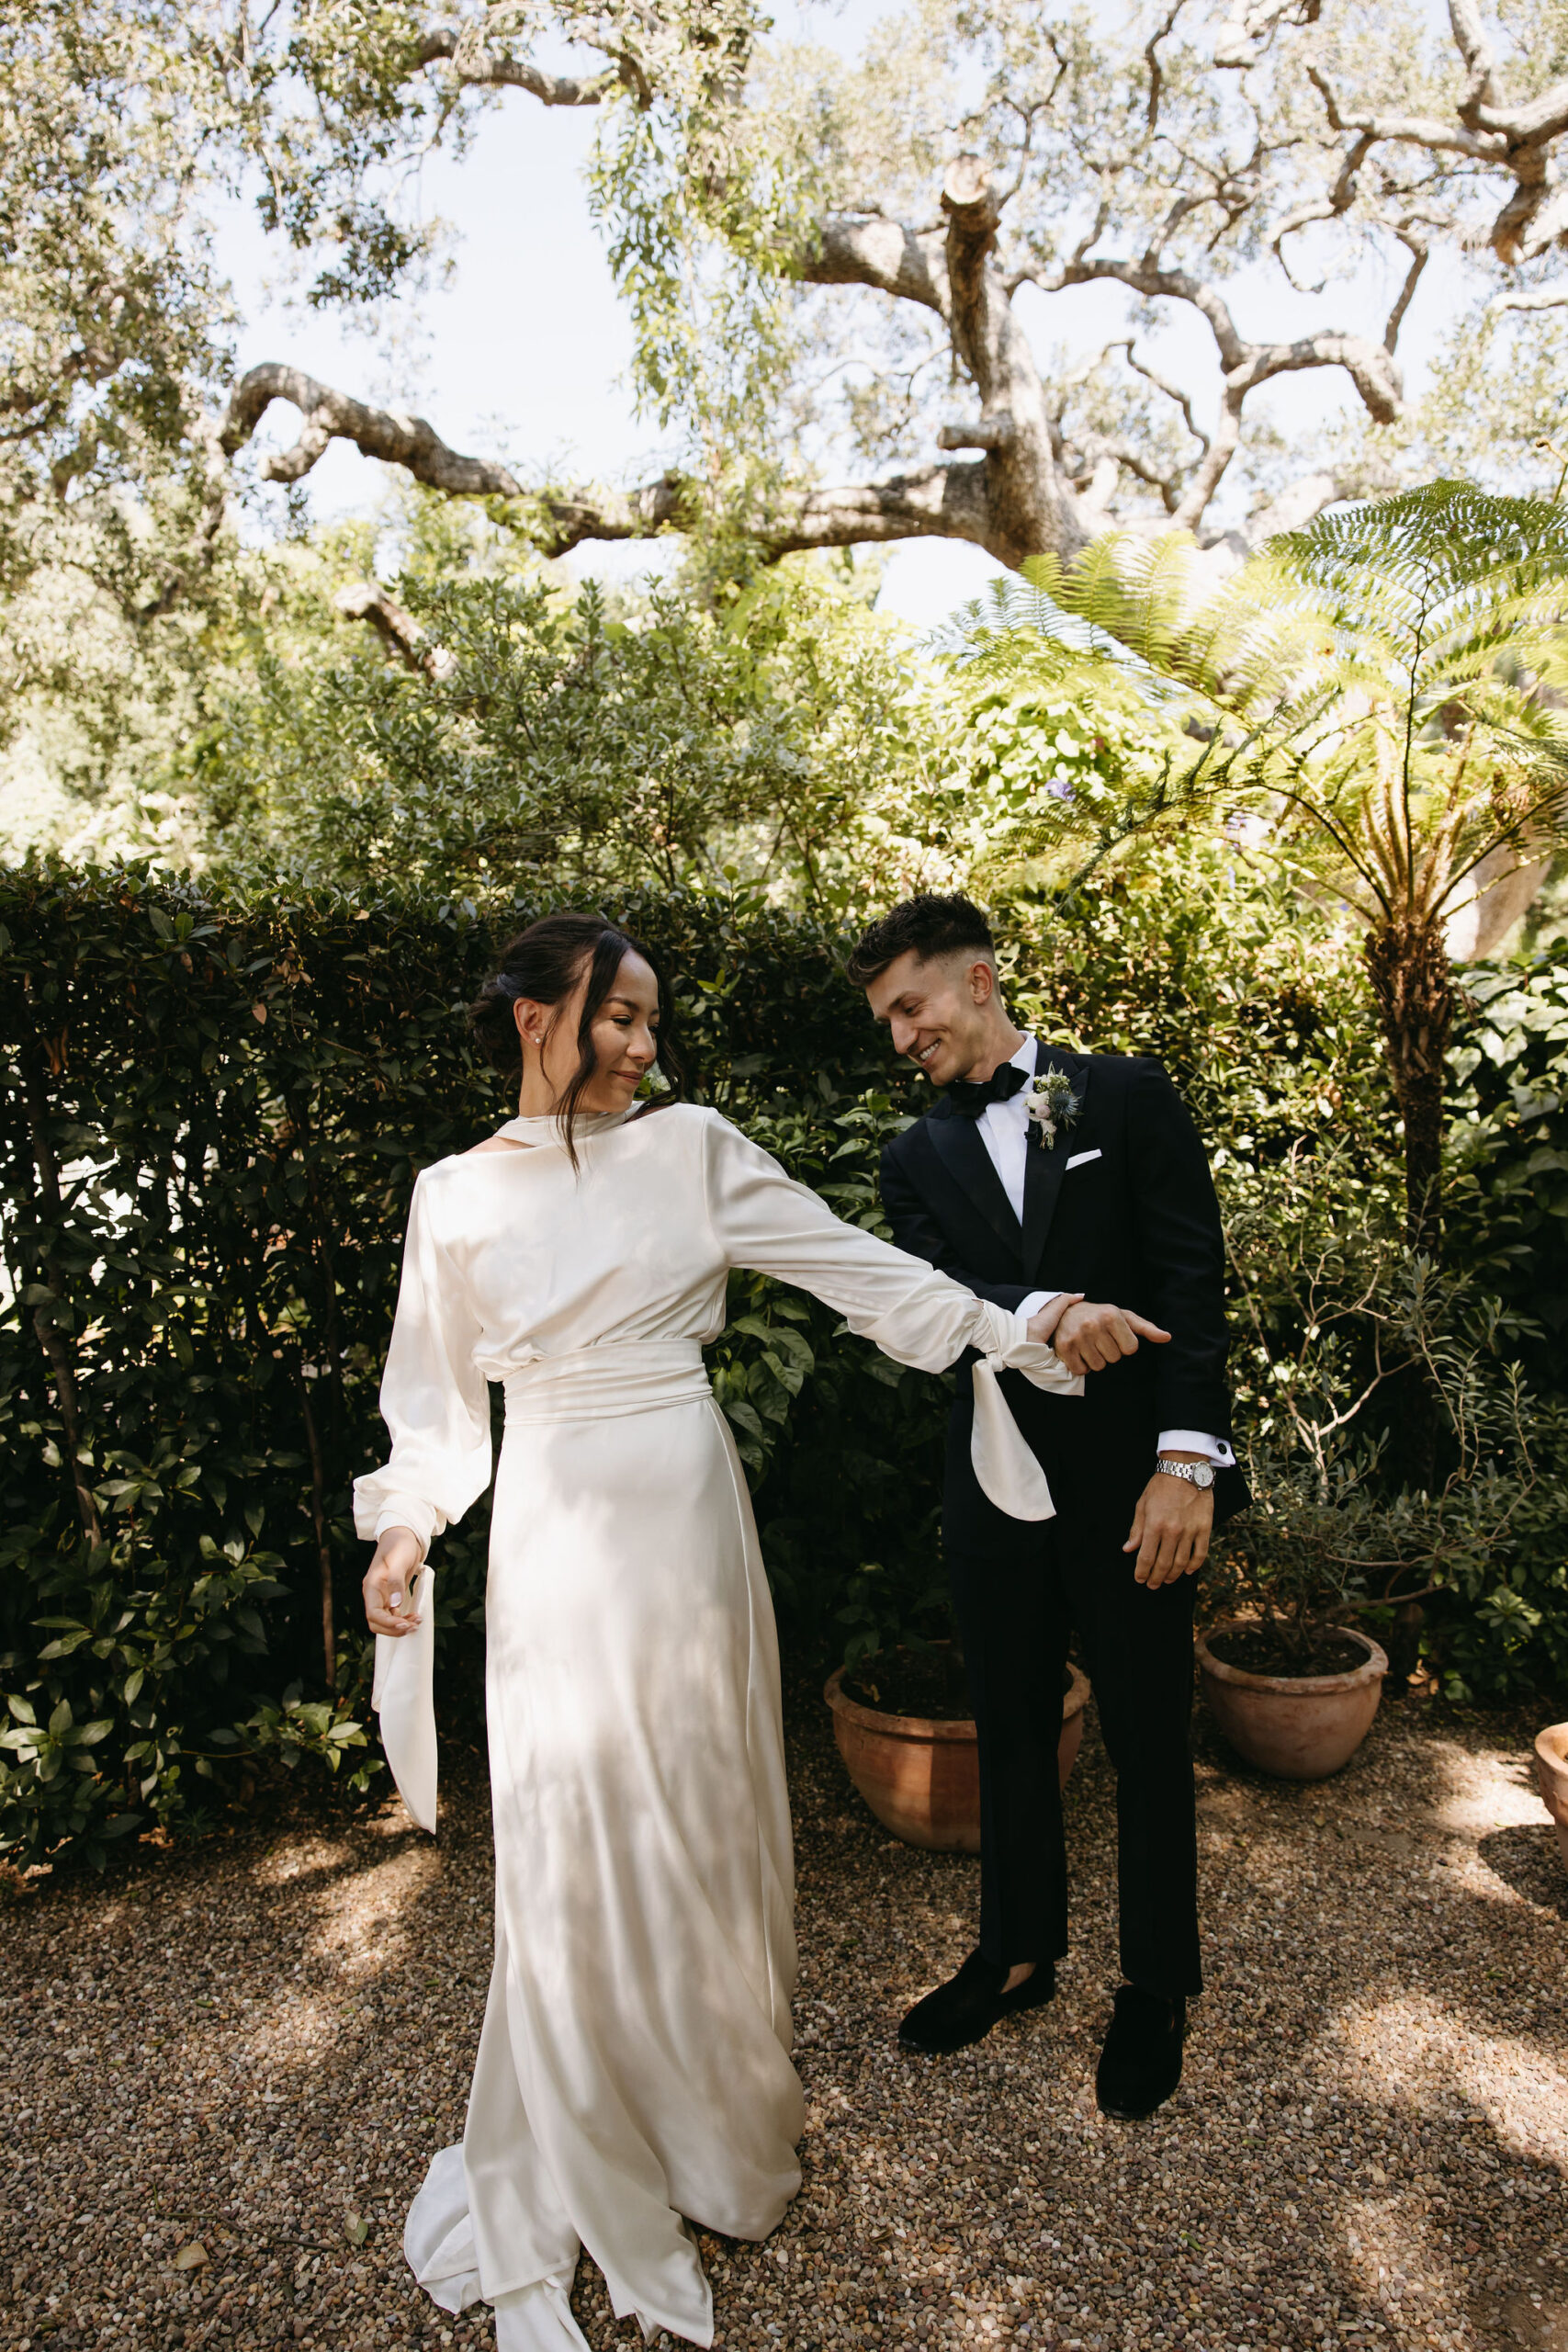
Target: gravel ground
[222,2074]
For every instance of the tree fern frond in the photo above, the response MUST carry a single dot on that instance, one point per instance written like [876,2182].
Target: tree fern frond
[1389,677]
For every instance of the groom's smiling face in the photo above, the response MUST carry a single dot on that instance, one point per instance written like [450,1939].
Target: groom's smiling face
[943,1011]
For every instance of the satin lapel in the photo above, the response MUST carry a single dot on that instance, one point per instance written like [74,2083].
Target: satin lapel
[957,1142]
[1043,1170]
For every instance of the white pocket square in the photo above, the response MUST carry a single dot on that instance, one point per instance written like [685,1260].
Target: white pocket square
[1081,1160]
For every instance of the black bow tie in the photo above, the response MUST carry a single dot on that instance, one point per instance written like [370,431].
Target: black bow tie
[1000,1087]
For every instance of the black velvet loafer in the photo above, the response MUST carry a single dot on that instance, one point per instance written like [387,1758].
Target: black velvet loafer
[1139,2066]
[966,2007]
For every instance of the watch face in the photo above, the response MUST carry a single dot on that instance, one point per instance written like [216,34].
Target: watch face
[1204,1473]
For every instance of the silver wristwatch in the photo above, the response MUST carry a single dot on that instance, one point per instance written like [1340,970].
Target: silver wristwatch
[1197,1474]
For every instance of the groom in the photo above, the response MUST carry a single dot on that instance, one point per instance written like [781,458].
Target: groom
[1106,1198]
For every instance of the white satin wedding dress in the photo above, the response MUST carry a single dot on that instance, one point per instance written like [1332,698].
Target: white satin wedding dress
[634,2064]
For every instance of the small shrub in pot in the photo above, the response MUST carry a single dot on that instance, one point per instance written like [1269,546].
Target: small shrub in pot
[1290,1668]
[1391,1445]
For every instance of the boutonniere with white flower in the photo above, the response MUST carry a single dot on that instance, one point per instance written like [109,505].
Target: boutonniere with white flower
[1052,1105]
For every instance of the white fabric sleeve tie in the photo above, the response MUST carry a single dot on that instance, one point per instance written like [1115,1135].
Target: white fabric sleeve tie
[404,1696]
[1003,1460]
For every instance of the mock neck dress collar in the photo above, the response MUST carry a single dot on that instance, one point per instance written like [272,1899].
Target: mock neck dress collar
[550,1130]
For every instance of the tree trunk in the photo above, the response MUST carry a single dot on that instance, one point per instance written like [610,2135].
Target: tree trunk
[1402,1640]
[1030,509]
[1413,985]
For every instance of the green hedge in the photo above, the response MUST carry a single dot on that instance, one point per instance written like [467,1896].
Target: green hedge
[210,1119]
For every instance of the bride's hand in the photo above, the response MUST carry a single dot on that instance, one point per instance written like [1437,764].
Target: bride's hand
[1041,1327]
[389,1582]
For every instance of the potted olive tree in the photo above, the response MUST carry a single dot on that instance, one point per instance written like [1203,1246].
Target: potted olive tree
[1298,1590]
[1343,1329]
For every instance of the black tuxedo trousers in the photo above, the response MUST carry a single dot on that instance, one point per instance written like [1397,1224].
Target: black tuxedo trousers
[1017,1613]
[1122,1209]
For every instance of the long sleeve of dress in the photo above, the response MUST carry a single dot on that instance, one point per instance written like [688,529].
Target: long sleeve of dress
[433,1397]
[767,1223]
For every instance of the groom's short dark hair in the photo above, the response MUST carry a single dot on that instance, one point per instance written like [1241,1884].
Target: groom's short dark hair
[930,926]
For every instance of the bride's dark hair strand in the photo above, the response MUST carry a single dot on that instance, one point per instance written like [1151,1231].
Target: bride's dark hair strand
[545,964]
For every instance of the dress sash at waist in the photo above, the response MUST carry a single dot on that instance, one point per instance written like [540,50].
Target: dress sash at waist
[607,1381]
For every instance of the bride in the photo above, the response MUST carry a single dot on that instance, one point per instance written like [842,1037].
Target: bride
[634,2062]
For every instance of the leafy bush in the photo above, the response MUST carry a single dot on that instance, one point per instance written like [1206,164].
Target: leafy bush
[564,745]
[1510,1068]
[202,1240]
[1504,1626]
[1331,1539]
[1332,1317]
[1254,1000]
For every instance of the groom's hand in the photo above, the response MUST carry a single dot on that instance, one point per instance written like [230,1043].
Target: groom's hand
[1171,1528]
[1088,1336]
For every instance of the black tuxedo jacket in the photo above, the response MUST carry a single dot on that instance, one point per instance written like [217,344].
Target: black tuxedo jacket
[1121,1208]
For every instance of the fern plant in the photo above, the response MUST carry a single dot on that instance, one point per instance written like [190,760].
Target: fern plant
[1377,699]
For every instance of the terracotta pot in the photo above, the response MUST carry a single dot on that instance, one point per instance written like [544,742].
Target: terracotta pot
[1300,1728]
[922,1779]
[1551,1777]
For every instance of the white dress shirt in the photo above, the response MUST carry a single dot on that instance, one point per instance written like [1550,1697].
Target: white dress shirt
[1004,1131]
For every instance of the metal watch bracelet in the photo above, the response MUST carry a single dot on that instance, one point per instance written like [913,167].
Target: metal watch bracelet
[1197,1474]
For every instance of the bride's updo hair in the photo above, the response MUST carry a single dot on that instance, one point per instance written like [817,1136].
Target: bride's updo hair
[545,964]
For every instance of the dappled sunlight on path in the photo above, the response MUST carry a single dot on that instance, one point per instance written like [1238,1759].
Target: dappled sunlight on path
[224,2077]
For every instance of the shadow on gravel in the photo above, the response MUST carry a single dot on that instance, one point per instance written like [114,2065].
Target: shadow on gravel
[1530,1861]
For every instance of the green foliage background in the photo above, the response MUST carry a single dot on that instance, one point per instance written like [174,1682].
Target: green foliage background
[237,1094]
[577,743]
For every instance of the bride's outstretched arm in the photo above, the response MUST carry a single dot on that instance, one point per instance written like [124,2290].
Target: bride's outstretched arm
[769,1223]
[766,1222]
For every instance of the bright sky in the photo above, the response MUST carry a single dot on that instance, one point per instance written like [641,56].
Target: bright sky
[524,353]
